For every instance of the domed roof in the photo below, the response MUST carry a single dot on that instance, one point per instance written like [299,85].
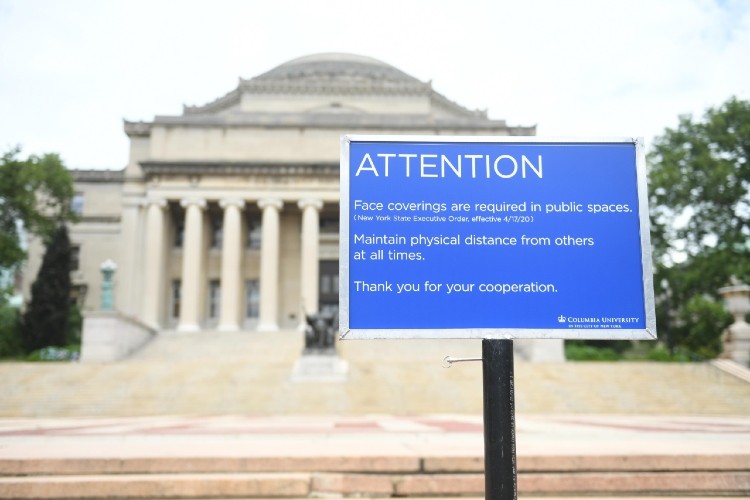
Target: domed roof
[334,66]
[340,76]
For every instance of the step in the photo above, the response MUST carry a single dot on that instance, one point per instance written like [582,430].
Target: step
[303,485]
[227,485]
[585,484]
[369,464]
[261,385]
[198,464]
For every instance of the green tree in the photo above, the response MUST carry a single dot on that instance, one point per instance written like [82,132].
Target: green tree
[698,321]
[35,193]
[10,339]
[699,189]
[46,320]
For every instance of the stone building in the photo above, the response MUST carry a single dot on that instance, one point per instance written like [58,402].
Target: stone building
[226,217]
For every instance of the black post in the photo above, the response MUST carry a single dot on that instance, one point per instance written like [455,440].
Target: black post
[499,421]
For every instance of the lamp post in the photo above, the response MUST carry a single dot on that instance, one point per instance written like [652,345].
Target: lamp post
[108,269]
[737,335]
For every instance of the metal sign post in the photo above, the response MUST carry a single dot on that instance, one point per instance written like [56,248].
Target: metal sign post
[500,475]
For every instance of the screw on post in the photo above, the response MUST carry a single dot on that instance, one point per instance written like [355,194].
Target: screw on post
[449,360]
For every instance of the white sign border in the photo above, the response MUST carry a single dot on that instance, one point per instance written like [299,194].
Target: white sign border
[649,333]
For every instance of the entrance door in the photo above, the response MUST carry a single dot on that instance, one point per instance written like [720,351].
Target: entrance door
[329,285]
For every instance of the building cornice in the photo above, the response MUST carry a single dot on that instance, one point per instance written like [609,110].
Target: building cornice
[153,167]
[98,219]
[96,176]
[476,114]
[473,123]
[220,104]
[137,129]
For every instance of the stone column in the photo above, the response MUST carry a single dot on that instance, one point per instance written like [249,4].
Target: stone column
[269,264]
[129,296]
[231,265]
[192,265]
[310,265]
[153,266]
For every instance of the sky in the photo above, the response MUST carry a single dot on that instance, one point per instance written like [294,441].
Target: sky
[71,71]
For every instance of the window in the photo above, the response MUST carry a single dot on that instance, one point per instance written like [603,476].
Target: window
[329,285]
[176,292]
[252,299]
[329,223]
[76,204]
[217,233]
[253,234]
[214,298]
[177,216]
[75,258]
[179,234]
[326,284]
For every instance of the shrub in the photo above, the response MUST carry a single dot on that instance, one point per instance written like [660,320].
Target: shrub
[576,351]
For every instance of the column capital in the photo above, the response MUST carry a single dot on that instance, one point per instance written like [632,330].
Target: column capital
[232,202]
[159,202]
[270,203]
[198,202]
[310,202]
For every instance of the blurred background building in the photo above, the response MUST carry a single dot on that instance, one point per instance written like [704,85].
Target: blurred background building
[226,217]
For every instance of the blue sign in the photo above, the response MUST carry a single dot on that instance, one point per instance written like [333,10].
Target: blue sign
[494,238]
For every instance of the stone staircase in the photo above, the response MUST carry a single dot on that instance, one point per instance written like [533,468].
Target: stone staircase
[371,477]
[218,373]
[732,368]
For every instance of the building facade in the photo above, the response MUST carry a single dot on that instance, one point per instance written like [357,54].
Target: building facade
[226,217]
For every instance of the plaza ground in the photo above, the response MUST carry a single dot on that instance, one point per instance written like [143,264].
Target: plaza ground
[198,416]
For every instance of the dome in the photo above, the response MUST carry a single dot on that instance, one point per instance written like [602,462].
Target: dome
[334,66]
[329,80]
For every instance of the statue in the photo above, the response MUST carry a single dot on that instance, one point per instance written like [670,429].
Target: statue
[320,332]
[319,361]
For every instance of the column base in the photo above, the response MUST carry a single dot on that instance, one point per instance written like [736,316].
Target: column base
[187,328]
[156,327]
[268,327]
[228,327]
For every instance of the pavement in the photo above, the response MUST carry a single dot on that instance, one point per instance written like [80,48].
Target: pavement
[373,435]
[438,456]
